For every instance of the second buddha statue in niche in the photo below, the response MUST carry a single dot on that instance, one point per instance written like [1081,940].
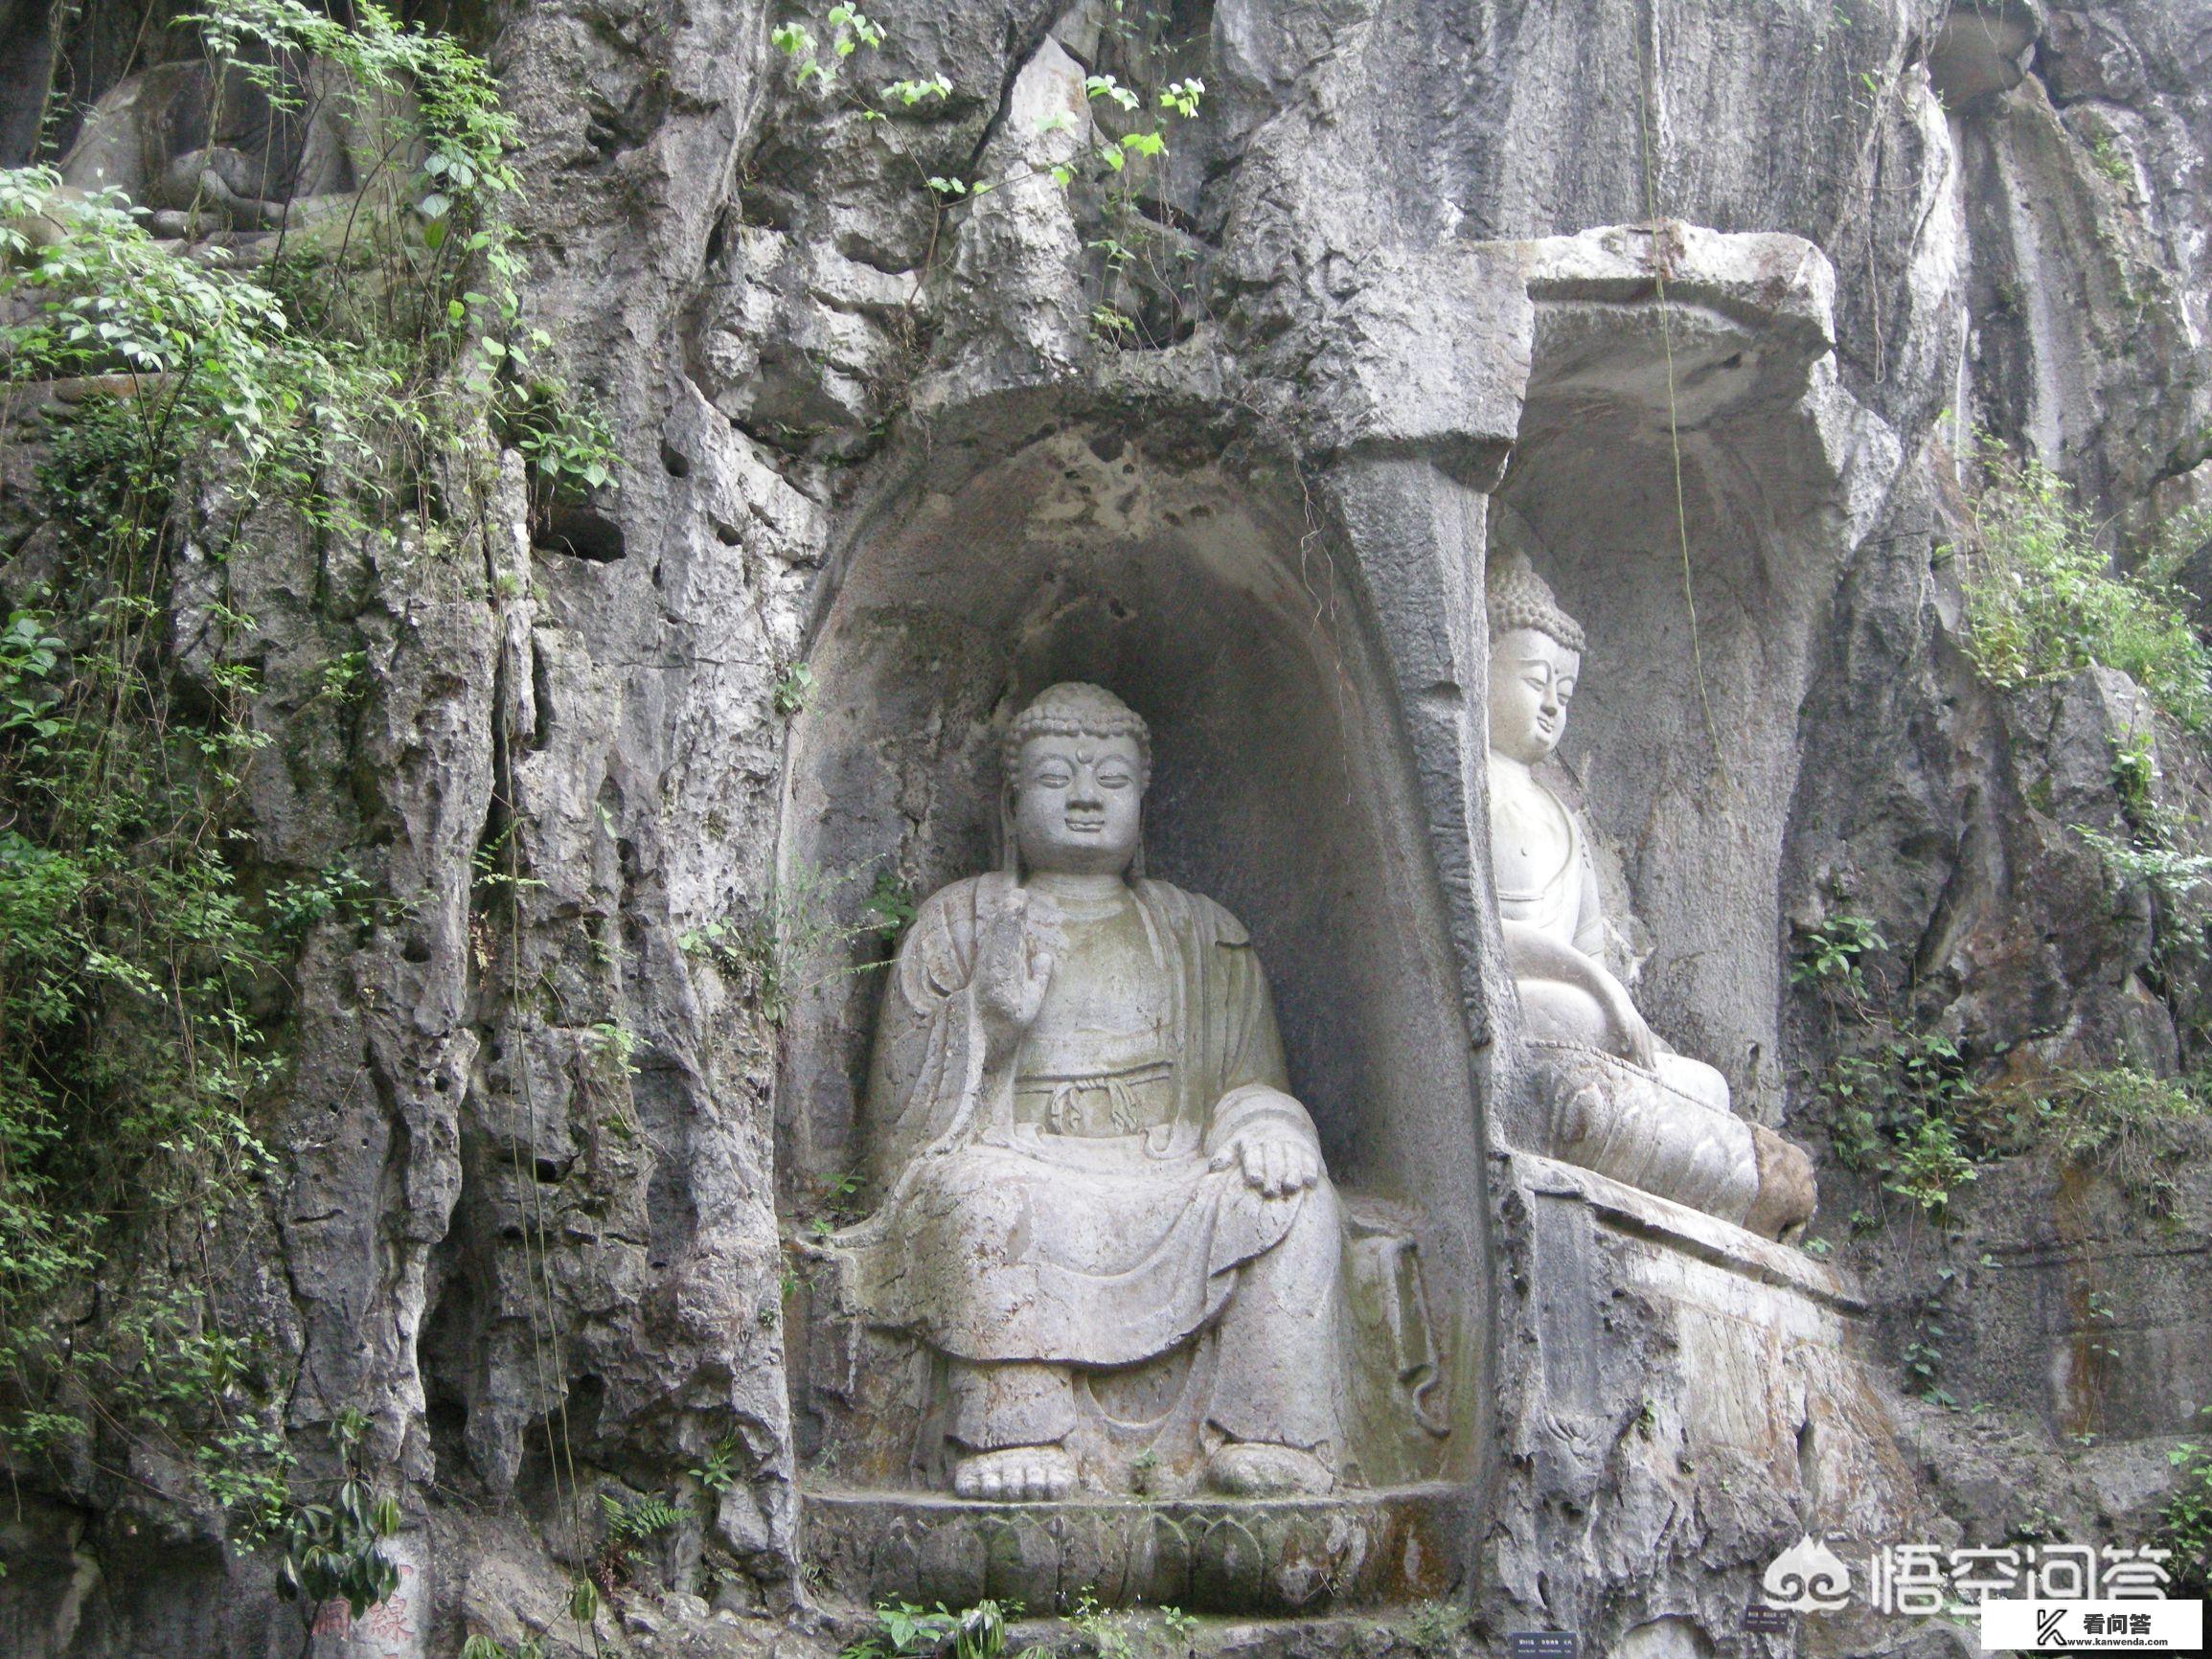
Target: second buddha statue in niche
[1094,1176]
[1627,1104]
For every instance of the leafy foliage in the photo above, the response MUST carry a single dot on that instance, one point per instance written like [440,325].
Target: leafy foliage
[1119,163]
[794,690]
[797,940]
[334,385]
[480,1647]
[1832,952]
[1434,1628]
[1928,1165]
[716,1471]
[1923,1358]
[1891,1105]
[850,29]
[632,1520]
[977,1632]
[569,445]
[627,1523]
[2186,1519]
[2042,601]
[2119,1121]
[333,1552]
[1126,1633]
[127,1059]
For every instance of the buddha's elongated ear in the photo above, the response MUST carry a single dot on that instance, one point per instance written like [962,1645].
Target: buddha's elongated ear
[1137,859]
[1009,836]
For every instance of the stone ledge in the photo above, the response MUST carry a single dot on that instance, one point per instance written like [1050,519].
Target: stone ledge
[1762,280]
[1281,1557]
[1687,1399]
[1708,1238]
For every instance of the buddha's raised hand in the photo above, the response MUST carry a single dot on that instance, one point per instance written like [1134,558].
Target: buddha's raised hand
[1013,963]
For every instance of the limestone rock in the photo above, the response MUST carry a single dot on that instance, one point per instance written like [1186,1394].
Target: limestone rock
[560,1122]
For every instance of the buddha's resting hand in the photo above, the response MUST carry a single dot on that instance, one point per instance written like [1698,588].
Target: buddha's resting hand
[1276,1159]
[1638,1042]
[1535,955]
[1013,963]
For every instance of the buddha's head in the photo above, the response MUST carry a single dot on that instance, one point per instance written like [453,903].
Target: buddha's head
[1536,653]
[1076,763]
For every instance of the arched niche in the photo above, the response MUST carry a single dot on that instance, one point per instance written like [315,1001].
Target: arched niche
[1281,788]
[1682,744]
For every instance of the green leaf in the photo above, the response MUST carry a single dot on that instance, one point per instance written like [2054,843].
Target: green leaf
[1106,87]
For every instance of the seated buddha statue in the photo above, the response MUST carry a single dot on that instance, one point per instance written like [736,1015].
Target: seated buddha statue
[1090,1161]
[1627,1104]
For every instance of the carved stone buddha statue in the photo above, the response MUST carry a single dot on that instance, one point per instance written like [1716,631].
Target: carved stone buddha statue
[208,152]
[1624,1102]
[1097,1189]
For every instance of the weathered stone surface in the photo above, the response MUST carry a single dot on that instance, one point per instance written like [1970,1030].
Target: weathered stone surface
[1425,294]
[1281,1557]
[1683,1392]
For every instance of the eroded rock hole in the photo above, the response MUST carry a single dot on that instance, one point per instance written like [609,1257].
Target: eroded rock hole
[582,533]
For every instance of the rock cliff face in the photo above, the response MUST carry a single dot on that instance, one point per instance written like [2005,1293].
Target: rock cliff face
[551,1145]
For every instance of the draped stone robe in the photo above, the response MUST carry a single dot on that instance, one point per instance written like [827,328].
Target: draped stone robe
[1001,1241]
[1563,902]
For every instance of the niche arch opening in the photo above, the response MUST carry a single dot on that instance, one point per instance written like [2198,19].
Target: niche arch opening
[1681,749]
[1281,787]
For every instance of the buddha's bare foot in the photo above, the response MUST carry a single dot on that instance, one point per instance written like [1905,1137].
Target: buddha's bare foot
[1256,1469]
[1015,1474]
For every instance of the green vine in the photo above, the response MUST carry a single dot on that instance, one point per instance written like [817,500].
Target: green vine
[351,385]
[1148,288]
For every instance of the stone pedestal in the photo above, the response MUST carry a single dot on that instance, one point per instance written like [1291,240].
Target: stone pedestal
[1684,1401]
[1297,1556]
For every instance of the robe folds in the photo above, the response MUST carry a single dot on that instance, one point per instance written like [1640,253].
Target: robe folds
[999,1241]
[1565,903]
